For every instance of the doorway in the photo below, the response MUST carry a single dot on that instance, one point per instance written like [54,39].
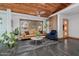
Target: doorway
[65,28]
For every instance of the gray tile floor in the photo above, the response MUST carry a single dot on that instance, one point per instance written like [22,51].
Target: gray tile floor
[69,47]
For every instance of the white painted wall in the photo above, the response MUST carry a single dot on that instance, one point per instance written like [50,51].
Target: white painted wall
[60,26]
[6,21]
[73,25]
[3,25]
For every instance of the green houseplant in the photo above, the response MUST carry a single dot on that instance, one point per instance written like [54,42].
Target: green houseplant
[8,39]
[37,34]
[16,31]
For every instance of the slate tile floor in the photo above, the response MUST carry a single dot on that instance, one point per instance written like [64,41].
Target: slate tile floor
[69,47]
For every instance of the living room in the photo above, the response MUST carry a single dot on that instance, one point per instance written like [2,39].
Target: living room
[25,32]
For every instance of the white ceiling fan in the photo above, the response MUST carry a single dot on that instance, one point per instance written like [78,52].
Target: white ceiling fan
[39,13]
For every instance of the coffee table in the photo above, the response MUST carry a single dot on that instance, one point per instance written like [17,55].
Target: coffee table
[37,40]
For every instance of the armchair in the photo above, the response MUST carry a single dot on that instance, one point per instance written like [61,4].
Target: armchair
[52,35]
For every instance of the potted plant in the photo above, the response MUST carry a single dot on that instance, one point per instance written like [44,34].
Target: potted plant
[8,39]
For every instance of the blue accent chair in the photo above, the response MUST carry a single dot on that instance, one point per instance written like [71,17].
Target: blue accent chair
[52,35]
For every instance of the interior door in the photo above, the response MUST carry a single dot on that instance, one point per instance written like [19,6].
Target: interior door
[65,28]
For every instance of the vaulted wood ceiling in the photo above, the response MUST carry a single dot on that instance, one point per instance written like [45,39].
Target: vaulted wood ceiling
[44,9]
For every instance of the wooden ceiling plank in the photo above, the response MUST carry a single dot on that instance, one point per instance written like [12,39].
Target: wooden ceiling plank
[32,8]
[41,8]
[17,10]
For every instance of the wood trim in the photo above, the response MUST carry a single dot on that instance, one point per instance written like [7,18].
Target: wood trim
[60,38]
[73,38]
[69,38]
[63,38]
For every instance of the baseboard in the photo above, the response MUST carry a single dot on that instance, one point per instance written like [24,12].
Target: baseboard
[69,38]
[63,38]
[74,38]
[60,38]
